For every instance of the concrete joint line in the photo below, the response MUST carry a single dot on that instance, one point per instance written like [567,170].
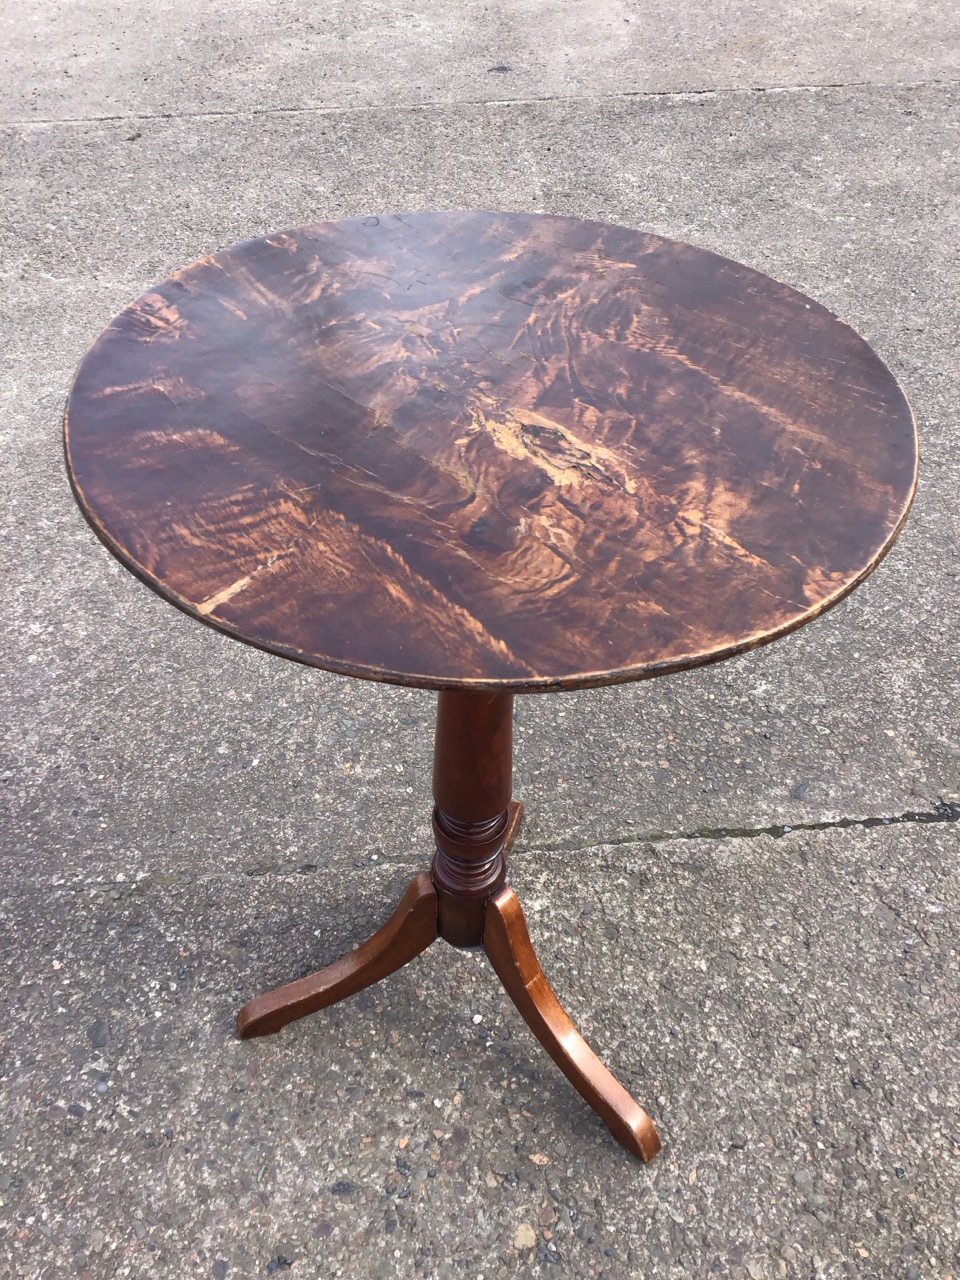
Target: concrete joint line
[942,811]
[444,104]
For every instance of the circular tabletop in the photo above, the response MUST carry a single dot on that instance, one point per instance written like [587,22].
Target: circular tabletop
[489,450]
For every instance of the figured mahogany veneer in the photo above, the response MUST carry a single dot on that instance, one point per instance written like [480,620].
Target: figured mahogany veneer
[492,450]
[487,453]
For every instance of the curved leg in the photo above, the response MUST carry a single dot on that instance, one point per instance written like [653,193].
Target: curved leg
[511,953]
[410,930]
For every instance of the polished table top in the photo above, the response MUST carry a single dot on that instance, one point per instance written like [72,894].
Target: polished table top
[489,450]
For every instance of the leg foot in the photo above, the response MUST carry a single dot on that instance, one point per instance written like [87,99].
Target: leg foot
[410,930]
[511,953]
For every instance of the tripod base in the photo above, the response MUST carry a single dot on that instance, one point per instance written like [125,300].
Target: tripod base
[416,923]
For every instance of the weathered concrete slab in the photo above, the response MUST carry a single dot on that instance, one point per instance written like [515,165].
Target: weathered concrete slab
[785,1007]
[787,1010]
[96,59]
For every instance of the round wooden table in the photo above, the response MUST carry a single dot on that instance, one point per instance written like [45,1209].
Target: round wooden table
[488,454]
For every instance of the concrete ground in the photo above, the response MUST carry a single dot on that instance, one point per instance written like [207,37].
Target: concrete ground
[743,881]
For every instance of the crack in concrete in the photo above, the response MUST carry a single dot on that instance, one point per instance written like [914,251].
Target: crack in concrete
[444,103]
[942,811]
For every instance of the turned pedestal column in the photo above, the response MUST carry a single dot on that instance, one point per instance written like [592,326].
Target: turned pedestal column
[473,818]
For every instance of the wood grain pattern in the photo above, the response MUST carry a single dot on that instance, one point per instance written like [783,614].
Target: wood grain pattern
[489,450]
